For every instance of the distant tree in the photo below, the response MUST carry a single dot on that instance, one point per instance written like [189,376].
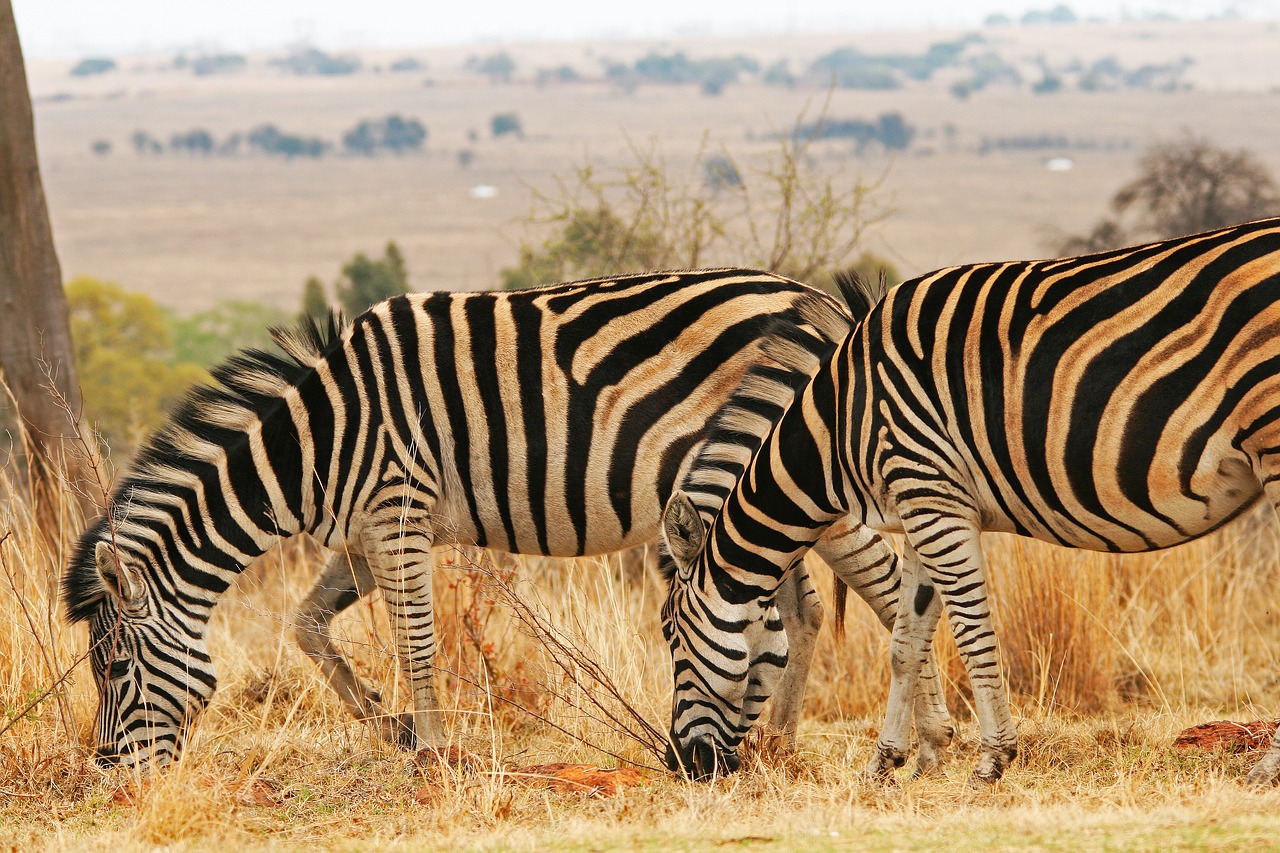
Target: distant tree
[590,242]
[144,143]
[890,130]
[407,63]
[219,63]
[506,124]
[1048,84]
[498,67]
[194,141]
[366,282]
[393,133]
[779,74]
[269,139]
[1188,185]
[93,66]
[1062,14]
[875,270]
[1184,186]
[208,337]
[315,305]
[850,68]
[558,74]
[1106,234]
[125,353]
[784,216]
[466,156]
[719,172]
[311,61]
[895,134]
[101,147]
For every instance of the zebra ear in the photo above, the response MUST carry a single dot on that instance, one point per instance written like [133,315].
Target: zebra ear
[120,581]
[684,532]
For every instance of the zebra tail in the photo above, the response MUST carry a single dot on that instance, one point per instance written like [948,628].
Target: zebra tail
[841,599]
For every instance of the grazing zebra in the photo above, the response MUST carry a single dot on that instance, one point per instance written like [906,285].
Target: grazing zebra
[551,421]
[1124,401]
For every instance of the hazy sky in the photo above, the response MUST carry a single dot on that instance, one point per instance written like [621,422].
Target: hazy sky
[74,28]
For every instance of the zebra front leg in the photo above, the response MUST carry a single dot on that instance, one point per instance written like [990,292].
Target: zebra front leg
[802,614]
[403,571]
[345,580]
[950,552]
[868,565]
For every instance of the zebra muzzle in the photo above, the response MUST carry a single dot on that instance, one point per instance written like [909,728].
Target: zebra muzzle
[702,759]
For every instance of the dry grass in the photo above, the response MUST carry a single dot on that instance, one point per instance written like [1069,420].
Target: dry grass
[1108,658]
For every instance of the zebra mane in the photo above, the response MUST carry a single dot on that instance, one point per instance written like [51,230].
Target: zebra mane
[247,386]
[792,350]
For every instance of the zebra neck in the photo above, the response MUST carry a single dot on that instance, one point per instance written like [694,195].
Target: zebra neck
[204,518]
[785,500]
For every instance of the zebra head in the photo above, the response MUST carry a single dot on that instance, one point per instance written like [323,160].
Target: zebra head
[153,676]
[728,651]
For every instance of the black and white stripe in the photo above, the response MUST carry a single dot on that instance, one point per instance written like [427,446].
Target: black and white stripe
[1124,401]
[550,421]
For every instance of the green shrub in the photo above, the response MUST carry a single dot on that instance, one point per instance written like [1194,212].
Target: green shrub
[125,358]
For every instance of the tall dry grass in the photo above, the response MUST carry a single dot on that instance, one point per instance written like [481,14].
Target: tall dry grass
[1106,657]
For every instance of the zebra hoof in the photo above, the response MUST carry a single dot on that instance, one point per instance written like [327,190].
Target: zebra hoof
[885,761]
[990,769]
[405,738]
[1265,774]
[703,759]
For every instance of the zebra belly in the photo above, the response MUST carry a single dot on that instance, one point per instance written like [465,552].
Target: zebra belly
[454,522]
[1120,503]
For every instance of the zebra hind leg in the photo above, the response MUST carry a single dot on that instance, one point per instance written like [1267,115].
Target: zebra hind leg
[950,552]
[1267,771]
[345,580]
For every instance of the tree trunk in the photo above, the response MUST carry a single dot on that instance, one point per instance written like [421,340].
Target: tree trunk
[36,358]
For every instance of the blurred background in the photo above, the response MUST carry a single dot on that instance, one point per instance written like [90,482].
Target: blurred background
[226,167]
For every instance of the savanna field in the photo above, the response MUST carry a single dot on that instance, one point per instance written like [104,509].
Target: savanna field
[545,663]
[548,662]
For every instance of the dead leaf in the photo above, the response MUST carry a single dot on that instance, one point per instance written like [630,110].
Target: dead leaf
[125,795]
[260,792]
[579,778]
[428,795]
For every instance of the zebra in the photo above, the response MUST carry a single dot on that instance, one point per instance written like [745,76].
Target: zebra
[1123,401]
[549,421]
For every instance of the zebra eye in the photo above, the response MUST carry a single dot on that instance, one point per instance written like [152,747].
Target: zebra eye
[119,669]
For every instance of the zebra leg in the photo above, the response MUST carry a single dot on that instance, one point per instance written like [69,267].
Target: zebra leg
[345,580]
[950,552]
[864,561]
[909,651]
[401,564]
[1267,771]
[801,611]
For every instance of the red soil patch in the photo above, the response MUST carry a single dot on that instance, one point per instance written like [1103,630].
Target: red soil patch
[1228,735]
